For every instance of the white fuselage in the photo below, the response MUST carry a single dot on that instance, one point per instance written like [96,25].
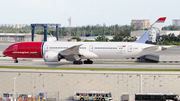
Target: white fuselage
[102,50]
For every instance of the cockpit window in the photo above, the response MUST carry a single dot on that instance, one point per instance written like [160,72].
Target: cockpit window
[8,48]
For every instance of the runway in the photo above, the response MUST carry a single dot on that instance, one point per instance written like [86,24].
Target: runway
[95,65]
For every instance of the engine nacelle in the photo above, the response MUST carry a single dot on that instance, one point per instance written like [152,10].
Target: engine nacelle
[52,56]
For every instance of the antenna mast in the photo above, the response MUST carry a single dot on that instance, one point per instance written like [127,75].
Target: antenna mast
[69,26]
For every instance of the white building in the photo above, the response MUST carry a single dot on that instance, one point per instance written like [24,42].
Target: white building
[176,22]
[18,25]
[18,37]
[142,23]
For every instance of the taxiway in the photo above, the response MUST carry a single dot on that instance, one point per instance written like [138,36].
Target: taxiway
[95,65]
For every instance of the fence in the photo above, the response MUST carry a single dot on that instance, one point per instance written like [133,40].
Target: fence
[41,96]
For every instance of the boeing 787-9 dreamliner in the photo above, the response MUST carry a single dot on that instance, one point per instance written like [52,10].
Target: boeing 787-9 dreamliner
[76,51]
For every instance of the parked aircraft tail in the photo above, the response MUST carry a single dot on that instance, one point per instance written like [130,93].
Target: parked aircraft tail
[151,36]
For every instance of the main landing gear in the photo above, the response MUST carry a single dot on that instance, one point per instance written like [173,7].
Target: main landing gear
[88,61]
[77,62]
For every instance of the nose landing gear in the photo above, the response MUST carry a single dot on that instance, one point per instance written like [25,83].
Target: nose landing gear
[15,60]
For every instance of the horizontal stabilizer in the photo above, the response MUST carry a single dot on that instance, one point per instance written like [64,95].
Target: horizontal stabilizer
[151,48]
[166,47]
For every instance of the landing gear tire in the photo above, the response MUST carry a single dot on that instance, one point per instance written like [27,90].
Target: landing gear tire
[77,62]
[88,62]
[81,99]
[16,61]
[102,99]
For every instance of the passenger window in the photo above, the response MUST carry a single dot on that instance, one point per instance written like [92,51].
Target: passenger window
[90,95]
[77,94]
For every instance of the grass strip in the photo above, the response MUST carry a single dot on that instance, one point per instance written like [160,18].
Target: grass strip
[88,69]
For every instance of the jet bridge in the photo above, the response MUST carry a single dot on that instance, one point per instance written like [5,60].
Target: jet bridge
[45,30]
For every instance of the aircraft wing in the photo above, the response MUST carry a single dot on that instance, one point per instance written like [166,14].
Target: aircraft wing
[71,50]
[73,53]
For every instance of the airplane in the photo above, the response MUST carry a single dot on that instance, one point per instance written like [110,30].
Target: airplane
[76,51]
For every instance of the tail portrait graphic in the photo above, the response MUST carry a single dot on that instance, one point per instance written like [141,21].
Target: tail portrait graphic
[153,33]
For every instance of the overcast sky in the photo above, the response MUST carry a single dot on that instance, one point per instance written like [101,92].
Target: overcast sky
[87,12]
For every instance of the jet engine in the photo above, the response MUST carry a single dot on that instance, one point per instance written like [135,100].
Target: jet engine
[52,56]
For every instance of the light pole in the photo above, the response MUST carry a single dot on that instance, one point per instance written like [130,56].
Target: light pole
[14,88]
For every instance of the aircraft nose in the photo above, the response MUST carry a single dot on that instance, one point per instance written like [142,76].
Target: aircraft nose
[5,52]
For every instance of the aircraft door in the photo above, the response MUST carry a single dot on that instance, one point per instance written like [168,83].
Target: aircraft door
[129,48]
[91,48]
[46,48]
